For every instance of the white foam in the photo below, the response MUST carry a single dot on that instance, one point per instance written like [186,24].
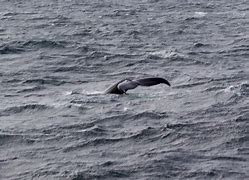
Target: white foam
[84,92]
[200,14]
[230,89]
[236,89]
[166,54]
[92,92]
[67,93]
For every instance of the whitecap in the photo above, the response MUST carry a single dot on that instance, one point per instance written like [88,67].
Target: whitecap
[240,89]
[200,14]
[67,93]
[92,92]
[166,54]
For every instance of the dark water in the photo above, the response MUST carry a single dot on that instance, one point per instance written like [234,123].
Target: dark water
[57,57]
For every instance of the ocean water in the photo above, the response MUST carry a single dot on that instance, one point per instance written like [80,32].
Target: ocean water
[58,56]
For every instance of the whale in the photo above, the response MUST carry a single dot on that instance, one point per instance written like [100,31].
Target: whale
[122,86]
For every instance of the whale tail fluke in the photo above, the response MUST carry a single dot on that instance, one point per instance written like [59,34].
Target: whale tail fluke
[127,84]
[152,81]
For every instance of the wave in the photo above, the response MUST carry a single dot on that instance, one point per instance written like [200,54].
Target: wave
[236,51]
[8,49]
[228,158]
[125,56]
[243,151]
[103,174]
[44,44]
[42,81]
[24,108]
[174,57]
[15,47]
[96,134]
[199,45]
[240,90]
[192,84]
[137,116]
[99,135]
[152,115]
[93,142]
[14,139]
[32,89]
[6,138]
[196,16]
[75,68]
[172,54]
[243,118]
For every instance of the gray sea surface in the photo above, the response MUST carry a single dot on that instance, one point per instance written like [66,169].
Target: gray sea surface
[58,56]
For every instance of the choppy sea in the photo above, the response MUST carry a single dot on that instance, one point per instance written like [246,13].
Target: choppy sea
[58,56]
